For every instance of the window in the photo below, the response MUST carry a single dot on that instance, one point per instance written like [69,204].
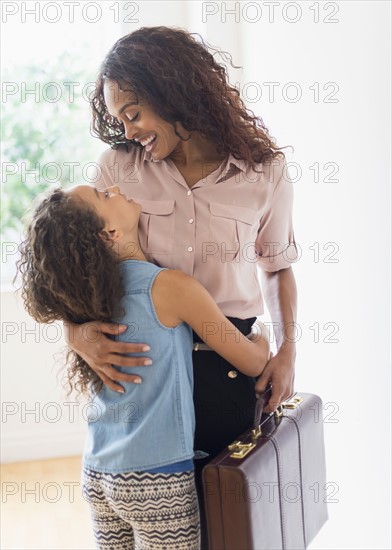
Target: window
[49,70]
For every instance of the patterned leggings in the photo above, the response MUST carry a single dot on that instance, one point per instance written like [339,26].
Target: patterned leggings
[143,511]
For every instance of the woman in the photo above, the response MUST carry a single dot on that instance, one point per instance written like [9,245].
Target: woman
[81,259]
[216,203]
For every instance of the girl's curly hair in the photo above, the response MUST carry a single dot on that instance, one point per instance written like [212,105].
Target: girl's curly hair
[69,273]
[181,80]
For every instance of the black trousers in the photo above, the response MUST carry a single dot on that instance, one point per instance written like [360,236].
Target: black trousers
[224,408]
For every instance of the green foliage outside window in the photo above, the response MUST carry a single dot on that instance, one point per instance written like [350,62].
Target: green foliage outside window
[45,135]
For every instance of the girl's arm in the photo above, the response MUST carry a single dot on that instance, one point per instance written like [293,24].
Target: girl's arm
[189,302]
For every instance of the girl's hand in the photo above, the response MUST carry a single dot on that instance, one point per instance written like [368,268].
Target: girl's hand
[280,371]
[261,335]
[101,353]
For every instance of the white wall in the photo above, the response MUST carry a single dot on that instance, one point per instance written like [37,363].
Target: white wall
[351,375]
[38,420]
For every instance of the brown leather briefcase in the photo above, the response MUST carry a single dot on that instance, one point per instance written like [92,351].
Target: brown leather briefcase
[267,491]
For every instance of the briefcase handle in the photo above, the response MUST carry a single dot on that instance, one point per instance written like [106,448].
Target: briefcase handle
[260,418]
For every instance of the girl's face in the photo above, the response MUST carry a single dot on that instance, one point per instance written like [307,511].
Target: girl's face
[141,123]
[112,206]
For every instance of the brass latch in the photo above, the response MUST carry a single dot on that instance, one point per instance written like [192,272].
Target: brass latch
[256,433]
[292,404]
[240,450]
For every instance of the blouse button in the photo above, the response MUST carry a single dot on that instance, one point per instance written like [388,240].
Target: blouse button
[189,193]
[190,249]
[232,374]
[191,220]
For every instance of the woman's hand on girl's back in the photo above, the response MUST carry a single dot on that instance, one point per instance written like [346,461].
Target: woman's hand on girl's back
[101,353]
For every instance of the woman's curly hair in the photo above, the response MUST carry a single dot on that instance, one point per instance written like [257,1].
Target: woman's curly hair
[181,80]
[69,273]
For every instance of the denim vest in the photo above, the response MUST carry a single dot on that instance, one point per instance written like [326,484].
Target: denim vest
[152,424]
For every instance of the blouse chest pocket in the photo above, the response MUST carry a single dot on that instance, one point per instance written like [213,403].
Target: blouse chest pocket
[231,229]
[156,226]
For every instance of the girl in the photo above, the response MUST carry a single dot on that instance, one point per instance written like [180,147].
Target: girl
[81,261]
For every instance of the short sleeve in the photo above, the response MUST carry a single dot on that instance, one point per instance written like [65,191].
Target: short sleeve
[275,242]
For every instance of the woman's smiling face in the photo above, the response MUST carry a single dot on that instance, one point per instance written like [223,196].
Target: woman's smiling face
[140,122]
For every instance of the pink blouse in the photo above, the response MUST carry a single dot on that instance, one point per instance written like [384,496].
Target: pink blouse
[219,230]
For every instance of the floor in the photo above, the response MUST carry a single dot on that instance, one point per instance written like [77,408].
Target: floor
[42,506]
